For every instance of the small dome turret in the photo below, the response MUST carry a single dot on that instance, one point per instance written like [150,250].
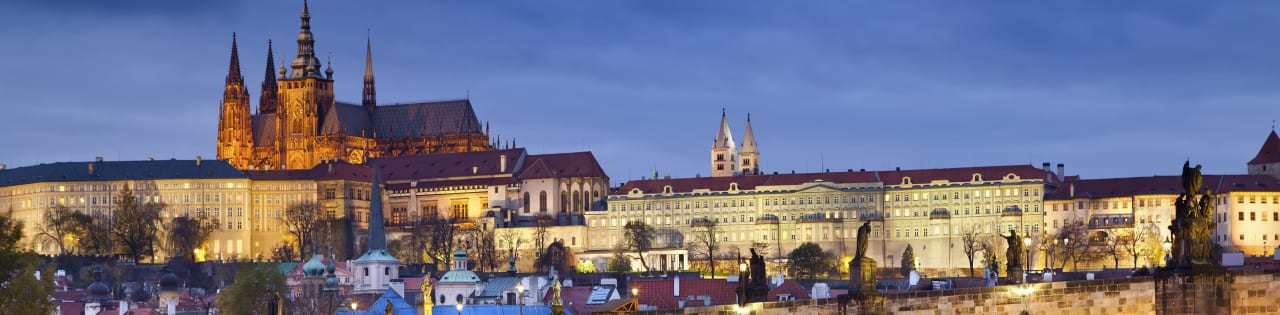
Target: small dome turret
[170,281]
[314,268]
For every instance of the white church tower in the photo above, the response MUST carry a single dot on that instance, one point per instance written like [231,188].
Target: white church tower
[375,269]
[750,154]
[724,152]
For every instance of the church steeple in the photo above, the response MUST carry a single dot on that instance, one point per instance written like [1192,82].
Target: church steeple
[370,95]
[750,153]
[268,100]
[235,141]
[724,152]
[306,64]
[233,73]
[377,233]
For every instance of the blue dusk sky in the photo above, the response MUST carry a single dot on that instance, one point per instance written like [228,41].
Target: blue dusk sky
[1111,88]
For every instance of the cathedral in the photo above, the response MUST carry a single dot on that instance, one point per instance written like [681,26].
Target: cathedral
[298,124]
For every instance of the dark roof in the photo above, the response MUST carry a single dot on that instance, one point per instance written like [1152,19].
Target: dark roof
[749,182]
[1270,151]
[348,119]
[441,165]
[118,170]
[1166,184]
[425,119]
[561,165]
[328,170]
[264,130]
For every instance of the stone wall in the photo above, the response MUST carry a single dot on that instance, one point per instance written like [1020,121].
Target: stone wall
[1249,292]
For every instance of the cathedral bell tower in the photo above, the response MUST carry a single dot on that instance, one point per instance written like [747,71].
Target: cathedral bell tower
[235,135]
[304,96]
[724,152]
[750,154]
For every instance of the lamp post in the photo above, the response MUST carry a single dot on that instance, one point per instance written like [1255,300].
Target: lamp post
[1065,245]
[458,306]
[742,284]
[635,295]
[353,306]
[1026,264]
[1168,245]
[520,296]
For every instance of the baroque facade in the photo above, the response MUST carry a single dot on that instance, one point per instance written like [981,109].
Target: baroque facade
[928,208]
[298,122]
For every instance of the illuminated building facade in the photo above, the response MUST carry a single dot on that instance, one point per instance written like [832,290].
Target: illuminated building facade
[298,123]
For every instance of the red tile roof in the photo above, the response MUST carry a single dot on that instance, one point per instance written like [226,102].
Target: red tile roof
[1165,184]
[749,182]
[791,287]
[561,165]
[574,299]
[661,292]
[1270,151]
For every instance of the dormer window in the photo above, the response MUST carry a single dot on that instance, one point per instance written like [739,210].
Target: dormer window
[906,180]
[733,186]
[977,177]
[666,189]
[1011,176]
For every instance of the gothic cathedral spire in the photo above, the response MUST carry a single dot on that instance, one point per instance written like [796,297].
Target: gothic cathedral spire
[750,153]
[377,234]
[370,95]
[724,152]
[235,143]
[306,64]
[268,100]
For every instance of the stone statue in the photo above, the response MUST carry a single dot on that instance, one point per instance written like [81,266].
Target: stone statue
[389,309]
[1193,224]
[758,276]
[1013,253]
[864,233]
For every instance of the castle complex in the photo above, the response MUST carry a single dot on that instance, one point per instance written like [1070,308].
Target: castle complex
[299,123]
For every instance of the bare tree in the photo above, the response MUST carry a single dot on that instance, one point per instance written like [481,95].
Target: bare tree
[639,238]
[441,235]
[300,221]
[482,244]
[97,239]
[187,234]
[556,257]
[59,224]
[1075,243]
[510,243]
[972,243]
[705,242]
[540,232]
[1130,242]
[134,225]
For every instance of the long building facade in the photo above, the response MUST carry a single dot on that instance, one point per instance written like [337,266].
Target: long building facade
[298,122]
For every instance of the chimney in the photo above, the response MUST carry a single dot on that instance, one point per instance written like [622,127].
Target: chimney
[1062,171]
[149,159]
[197,160]
[676,286]
[502,163]
[90,168]
[1045,166]
[330,167]
[475,169]
[1072,190]
[97,159]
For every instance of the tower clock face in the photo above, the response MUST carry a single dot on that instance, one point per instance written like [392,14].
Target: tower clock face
[355,157]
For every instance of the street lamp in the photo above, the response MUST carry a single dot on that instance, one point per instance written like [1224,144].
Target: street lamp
[1168,245]
[1026,264]
[458,306]
[520,296]
[353,306]
[1065,245]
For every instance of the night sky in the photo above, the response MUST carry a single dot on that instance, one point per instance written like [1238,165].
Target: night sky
[1109,88]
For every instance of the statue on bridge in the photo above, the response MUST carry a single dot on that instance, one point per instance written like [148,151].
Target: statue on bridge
[1193,224]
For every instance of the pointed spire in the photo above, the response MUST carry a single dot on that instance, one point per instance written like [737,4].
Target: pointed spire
[233,74]
[369,95]
[306,64]
[268,101]
[377,233]
[749,138]
[328,71]
[724,137]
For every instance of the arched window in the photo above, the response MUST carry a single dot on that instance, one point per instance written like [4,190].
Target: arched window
[366,271]
[527,205]
[564,201]
[542,201]
[386,271]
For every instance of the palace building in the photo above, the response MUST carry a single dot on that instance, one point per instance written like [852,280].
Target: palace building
[928,208]
[299,123]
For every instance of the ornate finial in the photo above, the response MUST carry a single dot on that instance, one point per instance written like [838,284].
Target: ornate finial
[328,71]
[748,117]
[1273,125]
[722,112]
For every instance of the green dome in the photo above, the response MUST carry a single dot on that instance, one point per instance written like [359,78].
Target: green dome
[314,267]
